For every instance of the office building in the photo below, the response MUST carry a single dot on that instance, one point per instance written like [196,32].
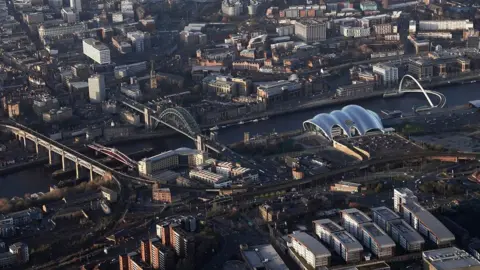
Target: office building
[262,257]
[383,29]
[420,68]
[138,40]
[162,195]
[450,258]
[96,88]
[311,30]
[368,6]
[352,219]
[357,88]
[375,239]
[232,7]
[388,74]
[96,50]
[68,15]
[162,257]
[76,5]
[312,251]
[445,25]
[342,242]
[171,159]
[412,27]
[355,32]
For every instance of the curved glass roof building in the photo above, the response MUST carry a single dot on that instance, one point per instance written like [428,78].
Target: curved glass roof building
[351,120]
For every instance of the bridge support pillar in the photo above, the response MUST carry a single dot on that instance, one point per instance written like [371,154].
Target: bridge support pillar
[77,169]
[63,161]
[50,155]
[36,147]
[91,173]
[146,115]
[200,143]
[24,141]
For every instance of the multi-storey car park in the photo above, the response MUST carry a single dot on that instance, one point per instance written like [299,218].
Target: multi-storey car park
[342,242]
[402,233]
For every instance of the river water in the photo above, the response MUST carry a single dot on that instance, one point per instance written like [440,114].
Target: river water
[37,179]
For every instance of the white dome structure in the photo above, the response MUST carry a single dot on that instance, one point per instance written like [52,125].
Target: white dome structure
[351,120]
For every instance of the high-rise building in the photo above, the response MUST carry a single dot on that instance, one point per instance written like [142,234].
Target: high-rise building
[96,88]
[401,196]
[138,40]
[145,245]
[162,257]
[387,73]
[96,50]
[76,5]
[311,30]
[181,242]
[352,219]
[163,231]
[21,252]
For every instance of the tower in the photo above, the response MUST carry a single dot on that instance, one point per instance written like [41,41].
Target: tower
[153,77]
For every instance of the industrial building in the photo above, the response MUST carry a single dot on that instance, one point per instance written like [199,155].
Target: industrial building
[312,251]
[375,239]
[342,242]
[449,259]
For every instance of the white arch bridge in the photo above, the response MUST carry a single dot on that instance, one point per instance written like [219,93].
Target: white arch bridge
[442,99]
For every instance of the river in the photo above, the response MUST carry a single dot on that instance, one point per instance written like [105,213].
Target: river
[35,180]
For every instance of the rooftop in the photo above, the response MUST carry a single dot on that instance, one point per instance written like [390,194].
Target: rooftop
[95,44]
[311,243]
[450,258]
[329,225]
[406,231]
[356,215]
[429,221]
[386,213]
[348,241]
[263,257]
[378,235]
[180,151]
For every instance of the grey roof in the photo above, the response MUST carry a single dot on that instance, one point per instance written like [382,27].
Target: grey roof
[357,215]
[406,231]
[351,116]
[255,256]
[328,225]
[475,103]
[311,244]
[429,221]
[348,241]
[450,258]
[377,235]
[386,213]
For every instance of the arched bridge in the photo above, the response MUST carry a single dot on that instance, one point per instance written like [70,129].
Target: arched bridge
[180,119]
[441,97]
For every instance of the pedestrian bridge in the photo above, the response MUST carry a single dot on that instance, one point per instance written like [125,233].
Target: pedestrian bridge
[442,99]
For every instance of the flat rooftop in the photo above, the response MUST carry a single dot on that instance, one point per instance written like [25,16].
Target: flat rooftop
[378,235]
[429,221]
[356,215]
[255,257]
[328,225]
[348,241]
[386,213]
[406,231]
[96,44]
[311,244]
[450,258]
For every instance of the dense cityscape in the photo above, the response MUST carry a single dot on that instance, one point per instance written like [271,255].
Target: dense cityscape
[239,134]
